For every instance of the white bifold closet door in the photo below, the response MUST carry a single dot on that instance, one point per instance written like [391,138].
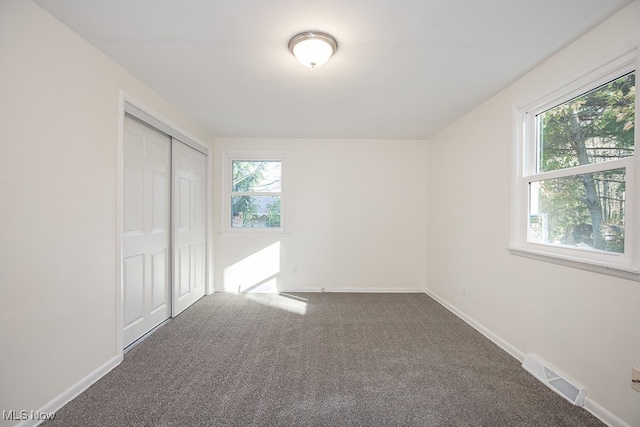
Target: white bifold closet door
[189,231]
[146,254]
[163,242]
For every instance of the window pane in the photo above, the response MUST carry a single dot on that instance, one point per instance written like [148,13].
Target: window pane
[255,212]
[592,128]
[257,176]
[585,210]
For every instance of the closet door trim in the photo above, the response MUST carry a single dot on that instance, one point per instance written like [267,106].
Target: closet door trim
[143,114]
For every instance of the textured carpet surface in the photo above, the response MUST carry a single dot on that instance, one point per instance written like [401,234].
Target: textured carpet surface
[319,360]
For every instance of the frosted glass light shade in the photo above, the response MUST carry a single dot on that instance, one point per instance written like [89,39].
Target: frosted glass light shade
[313,48]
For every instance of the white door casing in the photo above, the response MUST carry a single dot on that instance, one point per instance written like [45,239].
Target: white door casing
[146,229]
[189,225]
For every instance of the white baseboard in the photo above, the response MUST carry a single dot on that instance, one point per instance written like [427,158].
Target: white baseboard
[603,415]
[598,411]
[73,391]
[356,290]
[480,328]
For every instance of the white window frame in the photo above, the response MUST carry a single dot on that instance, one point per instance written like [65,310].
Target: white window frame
[228,157]
[524,154]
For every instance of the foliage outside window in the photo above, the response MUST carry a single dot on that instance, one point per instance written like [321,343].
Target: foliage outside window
[578,178]
[255,193]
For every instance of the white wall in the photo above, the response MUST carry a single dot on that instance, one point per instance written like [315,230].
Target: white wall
[357,217]
[58,181]
[586,324]
[59,109]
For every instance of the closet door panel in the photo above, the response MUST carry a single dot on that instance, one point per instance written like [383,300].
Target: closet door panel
[189,232]
[146,230]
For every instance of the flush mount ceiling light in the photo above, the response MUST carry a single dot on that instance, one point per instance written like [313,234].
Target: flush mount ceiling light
[313,48]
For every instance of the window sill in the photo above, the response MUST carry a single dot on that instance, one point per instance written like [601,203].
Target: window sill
[621,271]
[252,232]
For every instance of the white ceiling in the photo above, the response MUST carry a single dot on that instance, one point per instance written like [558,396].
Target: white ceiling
[404,69]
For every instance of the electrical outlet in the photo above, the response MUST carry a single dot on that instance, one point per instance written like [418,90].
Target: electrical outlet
[635,379]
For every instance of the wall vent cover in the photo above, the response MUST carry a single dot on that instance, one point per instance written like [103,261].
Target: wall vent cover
[554,379]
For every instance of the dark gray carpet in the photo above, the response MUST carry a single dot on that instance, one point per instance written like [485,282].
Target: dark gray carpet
[349,360]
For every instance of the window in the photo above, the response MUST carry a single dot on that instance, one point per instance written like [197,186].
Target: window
[254,186]
[577,175]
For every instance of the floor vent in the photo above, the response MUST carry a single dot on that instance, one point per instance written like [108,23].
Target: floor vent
[555,380]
